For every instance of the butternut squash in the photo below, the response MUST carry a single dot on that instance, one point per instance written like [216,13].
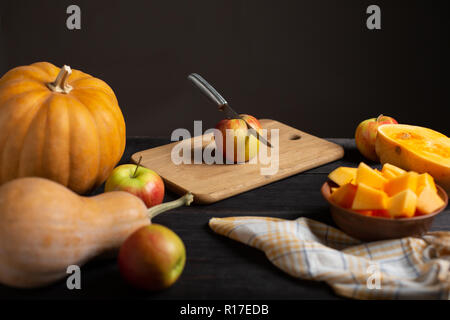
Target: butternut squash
[45,227]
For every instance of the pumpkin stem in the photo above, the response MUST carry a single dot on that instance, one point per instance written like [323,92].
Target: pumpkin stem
[137,167]
[185,200]
[60,85]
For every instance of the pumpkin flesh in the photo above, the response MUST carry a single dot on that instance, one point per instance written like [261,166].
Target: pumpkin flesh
[417,149]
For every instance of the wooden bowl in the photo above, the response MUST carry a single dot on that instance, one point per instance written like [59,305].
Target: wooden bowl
[369,228]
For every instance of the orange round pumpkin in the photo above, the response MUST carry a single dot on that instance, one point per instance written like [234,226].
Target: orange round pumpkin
[59,124]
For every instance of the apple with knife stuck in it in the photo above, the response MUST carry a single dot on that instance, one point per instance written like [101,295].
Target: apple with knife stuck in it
[245,146]
[239,135]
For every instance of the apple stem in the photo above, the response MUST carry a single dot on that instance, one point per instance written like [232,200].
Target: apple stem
[185,200]
[379,117]
[137,167]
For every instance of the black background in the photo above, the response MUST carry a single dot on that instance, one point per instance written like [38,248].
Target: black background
[312,64]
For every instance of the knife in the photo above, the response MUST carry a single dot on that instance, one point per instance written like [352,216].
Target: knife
[214,96]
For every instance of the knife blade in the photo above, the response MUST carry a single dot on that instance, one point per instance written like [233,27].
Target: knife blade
[214,96]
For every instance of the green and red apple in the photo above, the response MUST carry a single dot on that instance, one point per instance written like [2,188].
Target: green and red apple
[239,132]
[142,182]
[366,134]
[152,258]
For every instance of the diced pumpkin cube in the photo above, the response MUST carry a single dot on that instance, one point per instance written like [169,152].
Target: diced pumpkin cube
[388,174]
[403,204]
[344,195]
[398,171]
[381,213]
[401,183]
[342,175]
[369,177]
[368,198]
[429,201]
[425,180]
[368,213]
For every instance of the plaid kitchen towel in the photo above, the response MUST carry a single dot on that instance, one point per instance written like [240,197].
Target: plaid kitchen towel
[408,268]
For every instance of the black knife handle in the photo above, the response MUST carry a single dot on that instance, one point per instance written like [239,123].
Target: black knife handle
[208,90]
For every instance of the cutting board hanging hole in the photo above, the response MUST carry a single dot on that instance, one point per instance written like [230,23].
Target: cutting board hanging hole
[295,137]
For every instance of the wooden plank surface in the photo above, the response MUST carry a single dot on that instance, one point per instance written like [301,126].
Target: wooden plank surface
[298,151]
[218,267]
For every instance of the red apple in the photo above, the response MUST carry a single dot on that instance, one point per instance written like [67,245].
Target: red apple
[366,134]
[152,258]
[140,181]
[241,137]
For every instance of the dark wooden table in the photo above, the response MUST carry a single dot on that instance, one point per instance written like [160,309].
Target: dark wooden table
[217,267]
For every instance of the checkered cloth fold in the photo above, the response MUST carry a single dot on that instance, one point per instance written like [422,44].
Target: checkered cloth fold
[408,268]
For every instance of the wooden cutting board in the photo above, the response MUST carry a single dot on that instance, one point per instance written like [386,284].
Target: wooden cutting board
[298,151]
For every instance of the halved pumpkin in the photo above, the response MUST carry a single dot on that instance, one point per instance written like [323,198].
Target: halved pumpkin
[415,148]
